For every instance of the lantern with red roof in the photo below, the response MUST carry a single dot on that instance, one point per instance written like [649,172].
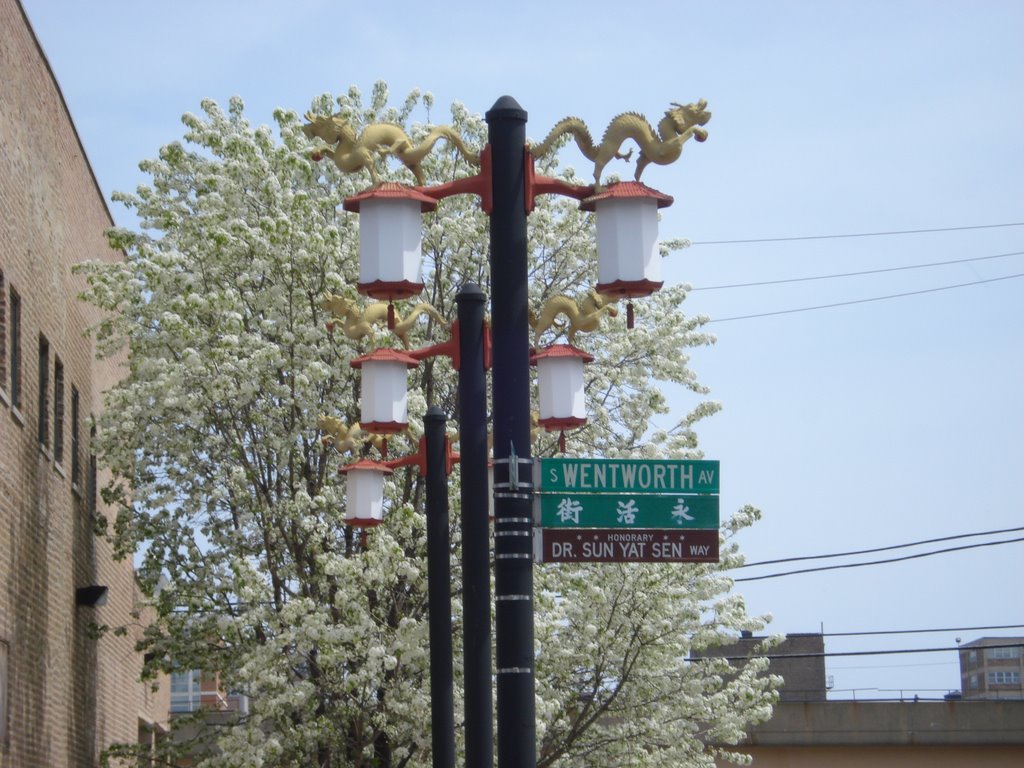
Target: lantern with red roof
[383,403]
[627,238]
[365,492]
[390,238]
[560,385]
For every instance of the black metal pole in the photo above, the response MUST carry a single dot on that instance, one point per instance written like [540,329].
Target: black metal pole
[439,596]
[476,558]
[510,377]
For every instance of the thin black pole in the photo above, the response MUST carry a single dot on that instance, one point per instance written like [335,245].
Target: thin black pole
[476,559]
[510,377]
[439,599]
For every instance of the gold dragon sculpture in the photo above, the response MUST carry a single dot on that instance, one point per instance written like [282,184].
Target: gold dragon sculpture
[352,152]
[356,324]
[346,438]
[681,122]
[583,316]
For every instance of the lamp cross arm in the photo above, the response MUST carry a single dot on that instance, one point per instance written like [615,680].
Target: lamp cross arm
[419,459]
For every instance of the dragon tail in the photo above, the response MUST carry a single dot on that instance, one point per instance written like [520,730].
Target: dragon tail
[445,132]
[569,125]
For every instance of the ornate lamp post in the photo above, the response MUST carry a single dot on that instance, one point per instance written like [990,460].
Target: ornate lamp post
[508,186]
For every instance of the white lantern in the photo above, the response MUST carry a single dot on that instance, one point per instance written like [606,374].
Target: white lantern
[365,493]
[383,406]
[390,235]
[627,238]
[560,381]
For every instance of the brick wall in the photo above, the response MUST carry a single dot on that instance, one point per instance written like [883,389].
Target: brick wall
[68,693]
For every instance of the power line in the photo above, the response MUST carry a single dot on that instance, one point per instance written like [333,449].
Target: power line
[922,631]
[855,234]
[855,274]
[863,301]
[827,654]
[881,549]
[878,562]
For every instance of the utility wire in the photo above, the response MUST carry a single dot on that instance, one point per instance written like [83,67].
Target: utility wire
[922,631]
[878,562]
[826,654]
[856,234]
[881,549]
[854,274]
[862,301]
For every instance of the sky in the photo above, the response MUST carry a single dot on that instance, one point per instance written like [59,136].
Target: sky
[866,425]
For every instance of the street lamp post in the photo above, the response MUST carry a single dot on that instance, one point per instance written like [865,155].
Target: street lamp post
[507,186]
[510,382]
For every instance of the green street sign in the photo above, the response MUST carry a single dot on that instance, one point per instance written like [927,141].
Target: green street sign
[592,510]
[632,476]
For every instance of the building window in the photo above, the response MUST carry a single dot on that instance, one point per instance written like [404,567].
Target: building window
[1002,653]
[186,691]
[44,392]
[3,333]
[58,410]
[15,349]
[93,490]
[1004,678]
[3,694]
[972,657]
[76,463]
[974,682]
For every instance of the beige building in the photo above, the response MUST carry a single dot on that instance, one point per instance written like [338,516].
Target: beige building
[900,734]
[66,691]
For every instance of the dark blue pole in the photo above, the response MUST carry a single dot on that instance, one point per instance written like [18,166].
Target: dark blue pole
[439,596]
[510,377]
[476,556]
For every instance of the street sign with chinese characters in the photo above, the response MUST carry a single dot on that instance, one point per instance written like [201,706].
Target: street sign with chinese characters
[615,545]
[656,476]
[591,510]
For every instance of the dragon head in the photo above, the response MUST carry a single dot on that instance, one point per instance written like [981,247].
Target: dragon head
[686,116]
[331,129]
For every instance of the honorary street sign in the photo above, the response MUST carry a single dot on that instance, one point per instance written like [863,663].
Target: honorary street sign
[656,476]
[593,510]
[615,545]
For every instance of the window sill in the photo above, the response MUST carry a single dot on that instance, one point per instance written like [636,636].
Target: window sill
[45,450]
[59,469]
[16,415]
[4,398]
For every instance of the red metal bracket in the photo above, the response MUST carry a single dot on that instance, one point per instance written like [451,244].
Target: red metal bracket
[488,347]
[448,348]
[419,459]
[479,185]
[546,185]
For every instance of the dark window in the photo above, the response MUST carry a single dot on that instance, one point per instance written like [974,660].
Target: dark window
[58,410]
[93,474]
[44,392]
[15,350]
[3,694]
[76,464]
[3,332]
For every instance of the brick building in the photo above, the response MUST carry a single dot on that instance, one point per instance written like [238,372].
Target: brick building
[65,692]
[992,668]
[799,660]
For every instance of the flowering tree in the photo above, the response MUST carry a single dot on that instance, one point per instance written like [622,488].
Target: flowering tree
[229,499]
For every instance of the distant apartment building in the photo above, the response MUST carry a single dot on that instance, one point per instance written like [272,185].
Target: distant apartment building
[992,668]
[67,690]
[195,691]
